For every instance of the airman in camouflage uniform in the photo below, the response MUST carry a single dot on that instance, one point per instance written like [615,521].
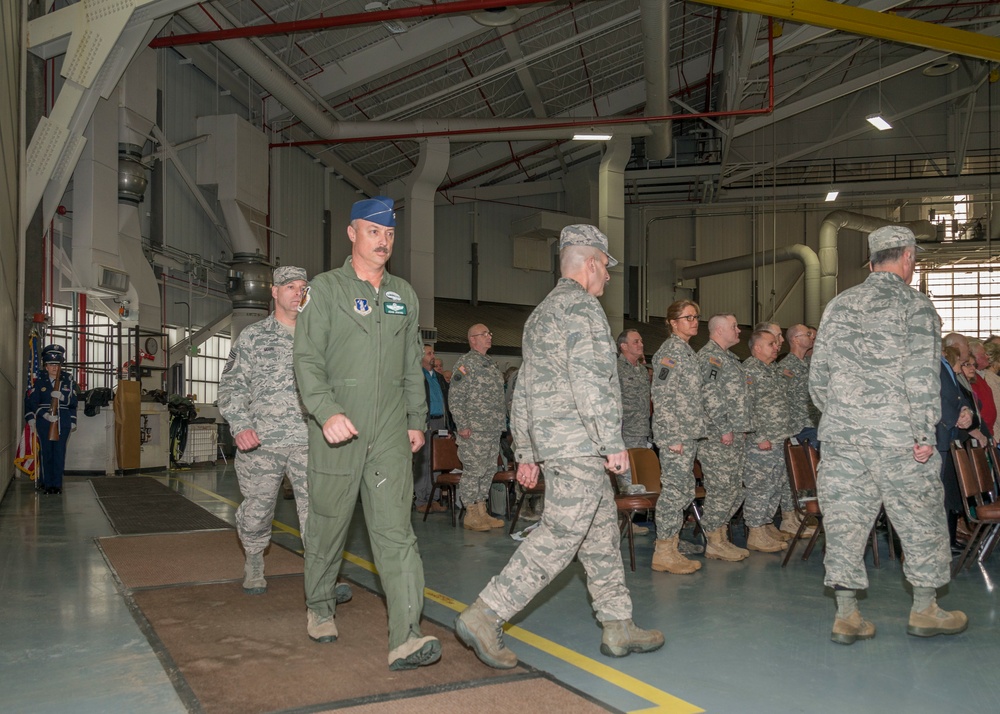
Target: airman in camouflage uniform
[727,407]
[567,417]
[634,380]
[477,405]
[875,376]
[678,429]
[764,476]
[803,414]
[257,396]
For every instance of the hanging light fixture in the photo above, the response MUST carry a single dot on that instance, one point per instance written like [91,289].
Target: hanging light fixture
[876,119]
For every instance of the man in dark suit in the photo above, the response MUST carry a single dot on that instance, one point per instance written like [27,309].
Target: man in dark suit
[956,416]
[438,417]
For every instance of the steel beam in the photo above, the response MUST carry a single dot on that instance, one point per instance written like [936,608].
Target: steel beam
[868,23]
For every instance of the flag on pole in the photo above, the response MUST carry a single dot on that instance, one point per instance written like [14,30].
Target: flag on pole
[25,459]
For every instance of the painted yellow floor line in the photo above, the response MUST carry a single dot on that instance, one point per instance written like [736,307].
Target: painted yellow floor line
[664,703]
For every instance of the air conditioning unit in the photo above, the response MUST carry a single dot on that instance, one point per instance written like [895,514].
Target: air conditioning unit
[428,335]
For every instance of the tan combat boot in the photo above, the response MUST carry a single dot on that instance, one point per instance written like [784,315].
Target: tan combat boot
[720,548]
[473,520]
[487,518]
[790,522]
[666,558]
[776,534]
[415,652]
[759,539]
[482,629]
[321,629]
[935,621]
[847,630]
[622,637]
[253,575]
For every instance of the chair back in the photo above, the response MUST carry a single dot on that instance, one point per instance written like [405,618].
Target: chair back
[444,454]
[645,467]
[801,461]
[981,467]
[968,481]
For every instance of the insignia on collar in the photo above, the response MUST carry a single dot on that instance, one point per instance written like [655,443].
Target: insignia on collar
[362,307]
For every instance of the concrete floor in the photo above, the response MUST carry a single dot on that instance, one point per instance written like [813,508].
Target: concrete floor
[741,637]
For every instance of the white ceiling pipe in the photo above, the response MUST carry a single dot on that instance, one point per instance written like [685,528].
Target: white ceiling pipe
[656,49]
[802,253]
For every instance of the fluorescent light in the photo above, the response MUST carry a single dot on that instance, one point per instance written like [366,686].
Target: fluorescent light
[591,137]
[832,195]
[878,122]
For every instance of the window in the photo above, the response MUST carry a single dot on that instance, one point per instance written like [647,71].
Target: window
[204,369]
[967,297]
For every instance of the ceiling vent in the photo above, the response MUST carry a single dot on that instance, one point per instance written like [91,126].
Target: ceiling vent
[497,16]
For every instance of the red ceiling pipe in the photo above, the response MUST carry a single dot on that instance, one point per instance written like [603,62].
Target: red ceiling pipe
[327,23]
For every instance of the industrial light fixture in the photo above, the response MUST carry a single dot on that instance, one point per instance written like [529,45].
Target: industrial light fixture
[877,121]
[832,195]
[592,137]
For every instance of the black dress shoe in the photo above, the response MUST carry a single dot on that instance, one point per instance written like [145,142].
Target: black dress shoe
[54,491]
[957,548]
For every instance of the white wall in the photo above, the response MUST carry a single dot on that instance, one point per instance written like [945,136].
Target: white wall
[297,210]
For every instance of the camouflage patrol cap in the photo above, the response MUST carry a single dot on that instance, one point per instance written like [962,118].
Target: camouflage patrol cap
[888,237]
[287,273]
[582,234]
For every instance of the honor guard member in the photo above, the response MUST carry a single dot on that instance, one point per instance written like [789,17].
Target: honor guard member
[567,418]
[477,406]
[257,396]
[875,377]
[727,408]
[764,475]
[357,362]
[50,409]
[678,429]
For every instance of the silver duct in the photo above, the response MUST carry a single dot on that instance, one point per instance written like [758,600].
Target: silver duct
[656,50]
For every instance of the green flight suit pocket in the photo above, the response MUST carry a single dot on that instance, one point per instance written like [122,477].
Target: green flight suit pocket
[329,494]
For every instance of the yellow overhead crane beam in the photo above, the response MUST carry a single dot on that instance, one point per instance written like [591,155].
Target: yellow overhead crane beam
[869,23]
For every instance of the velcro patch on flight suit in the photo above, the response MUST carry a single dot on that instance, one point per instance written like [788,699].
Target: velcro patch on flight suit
[394,308]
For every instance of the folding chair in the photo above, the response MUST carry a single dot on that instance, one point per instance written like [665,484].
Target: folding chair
[446,469]
[983,517]
[627,506]
[507,477]
[801,461]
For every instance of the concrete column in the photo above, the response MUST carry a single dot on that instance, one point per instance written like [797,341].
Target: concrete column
[418,221]
[611,221]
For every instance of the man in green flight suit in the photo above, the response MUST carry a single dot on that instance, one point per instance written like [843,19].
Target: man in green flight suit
[357,362]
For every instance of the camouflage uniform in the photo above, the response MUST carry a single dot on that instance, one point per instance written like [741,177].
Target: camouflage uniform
[727,408]
[567,417]
[257,391]
[875,376]
[634,381]
[803,413]
[476,399]
[764,474]
[678,418]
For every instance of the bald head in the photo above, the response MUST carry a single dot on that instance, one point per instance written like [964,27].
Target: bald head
[960,342]
[800,340]
[480,338]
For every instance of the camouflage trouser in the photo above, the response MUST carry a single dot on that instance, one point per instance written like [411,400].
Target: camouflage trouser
[259,473]
[580,518]
[765,481]
[722,469]
[851,484]
[478,454]
[677,488]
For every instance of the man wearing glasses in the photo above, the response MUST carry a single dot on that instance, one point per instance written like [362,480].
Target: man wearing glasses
[479,411]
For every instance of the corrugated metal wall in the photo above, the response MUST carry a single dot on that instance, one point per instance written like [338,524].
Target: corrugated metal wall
[10,149]
[297,210]
[499,280]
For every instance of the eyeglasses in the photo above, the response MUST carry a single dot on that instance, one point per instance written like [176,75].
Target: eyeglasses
[483,334]
[689,318]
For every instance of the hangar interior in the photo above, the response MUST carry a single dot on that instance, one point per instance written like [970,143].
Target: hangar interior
[159,156]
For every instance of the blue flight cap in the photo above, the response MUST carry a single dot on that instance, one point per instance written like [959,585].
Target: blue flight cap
[377,210]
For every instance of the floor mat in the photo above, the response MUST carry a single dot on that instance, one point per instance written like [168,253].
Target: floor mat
[240,653]
[144,561]
[139,504]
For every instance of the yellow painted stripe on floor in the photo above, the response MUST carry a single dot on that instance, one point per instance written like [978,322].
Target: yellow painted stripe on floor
[665,703]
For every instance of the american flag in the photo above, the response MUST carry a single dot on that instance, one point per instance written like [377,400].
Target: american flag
[27,448]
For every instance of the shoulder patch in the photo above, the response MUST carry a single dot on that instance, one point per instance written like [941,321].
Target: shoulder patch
[668,362]
[231,360]
[463,369]
[789,373]
[715,361]
[304,300]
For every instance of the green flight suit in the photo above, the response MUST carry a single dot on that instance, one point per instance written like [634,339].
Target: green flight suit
[357,352]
